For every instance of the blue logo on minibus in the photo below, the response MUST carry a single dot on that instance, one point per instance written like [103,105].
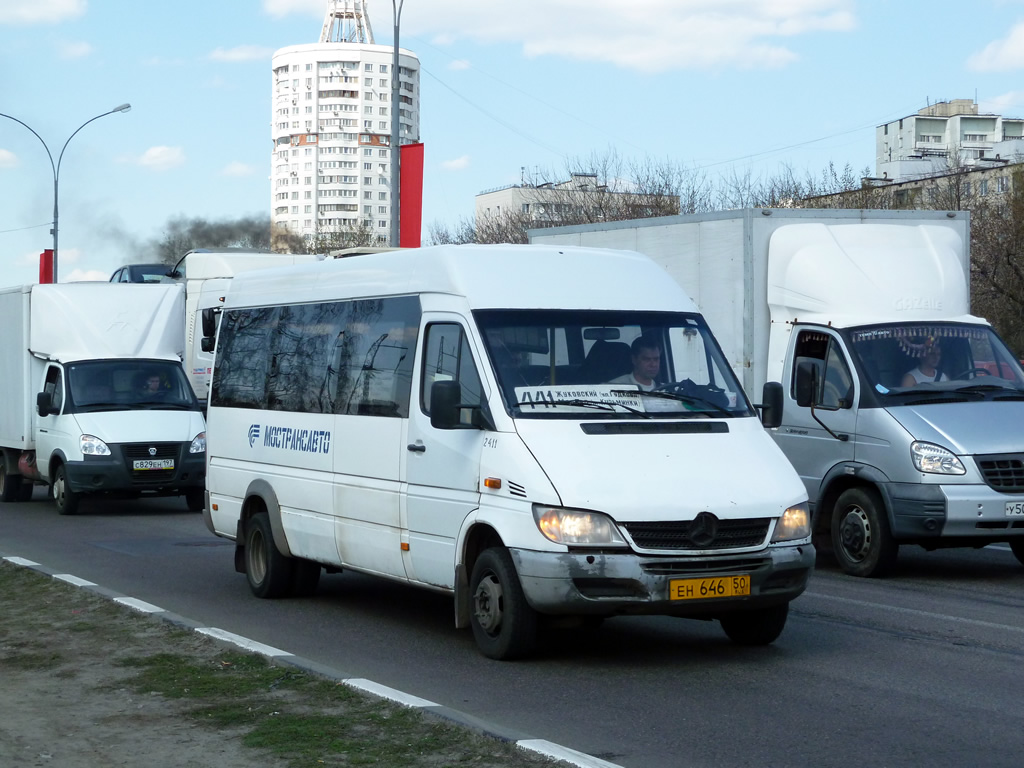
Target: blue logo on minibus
[290,439]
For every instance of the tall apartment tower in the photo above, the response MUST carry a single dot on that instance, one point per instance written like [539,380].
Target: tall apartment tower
[331,104]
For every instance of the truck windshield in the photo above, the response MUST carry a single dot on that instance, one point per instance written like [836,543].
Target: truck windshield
[609,364]
[106,385]
[921,361]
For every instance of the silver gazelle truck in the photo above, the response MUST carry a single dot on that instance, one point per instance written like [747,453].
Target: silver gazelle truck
[902,411]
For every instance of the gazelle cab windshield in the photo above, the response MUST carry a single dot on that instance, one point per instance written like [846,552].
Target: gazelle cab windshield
[916,363]
[572,364]
[129,384]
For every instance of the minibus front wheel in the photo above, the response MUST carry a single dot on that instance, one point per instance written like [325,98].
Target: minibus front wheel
[504,625]
[267,570]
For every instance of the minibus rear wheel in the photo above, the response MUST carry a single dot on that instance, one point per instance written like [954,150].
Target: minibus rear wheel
[504,625]
[268,571]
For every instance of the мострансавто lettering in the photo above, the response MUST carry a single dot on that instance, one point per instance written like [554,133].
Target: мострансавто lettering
[307,440]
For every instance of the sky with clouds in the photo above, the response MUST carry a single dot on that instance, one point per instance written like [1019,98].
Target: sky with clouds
[723,86]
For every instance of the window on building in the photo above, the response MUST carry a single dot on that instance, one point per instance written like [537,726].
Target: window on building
[983,187]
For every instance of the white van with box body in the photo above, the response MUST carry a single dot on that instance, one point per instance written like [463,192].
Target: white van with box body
[95,401]
[451,417]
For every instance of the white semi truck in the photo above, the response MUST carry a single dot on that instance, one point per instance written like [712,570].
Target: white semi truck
[94,397]
[901,410]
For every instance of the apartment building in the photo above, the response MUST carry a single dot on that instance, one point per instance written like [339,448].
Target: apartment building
[943,135]
[331,107]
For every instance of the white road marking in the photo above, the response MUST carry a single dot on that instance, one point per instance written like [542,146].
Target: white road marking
[925,614]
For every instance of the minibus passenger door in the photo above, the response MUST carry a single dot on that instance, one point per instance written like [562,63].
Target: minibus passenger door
[442,465]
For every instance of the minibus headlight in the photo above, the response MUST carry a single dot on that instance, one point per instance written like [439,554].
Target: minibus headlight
[795,523]
[935,460]
[93,446]
[576,527]
[198,444]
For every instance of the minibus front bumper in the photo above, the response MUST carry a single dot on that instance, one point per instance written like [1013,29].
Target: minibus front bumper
[607,584]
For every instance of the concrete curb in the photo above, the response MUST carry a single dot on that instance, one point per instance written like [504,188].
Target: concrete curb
[428,708]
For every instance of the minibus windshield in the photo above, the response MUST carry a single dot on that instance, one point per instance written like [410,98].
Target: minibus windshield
[609,364]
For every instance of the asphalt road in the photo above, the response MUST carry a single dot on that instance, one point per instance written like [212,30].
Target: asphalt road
[924,668]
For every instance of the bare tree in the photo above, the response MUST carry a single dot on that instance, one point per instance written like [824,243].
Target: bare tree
[997,261]
[601,187]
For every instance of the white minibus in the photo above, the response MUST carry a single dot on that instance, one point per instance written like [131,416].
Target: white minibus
[541,432]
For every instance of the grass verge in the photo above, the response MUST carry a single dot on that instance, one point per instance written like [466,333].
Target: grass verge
[50,629]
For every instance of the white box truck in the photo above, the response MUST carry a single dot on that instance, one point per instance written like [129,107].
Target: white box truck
[469,420]
[94,398]
[902,411]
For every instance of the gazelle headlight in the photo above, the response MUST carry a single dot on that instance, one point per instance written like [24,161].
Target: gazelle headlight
[93,446]
[198,444]
[935,460]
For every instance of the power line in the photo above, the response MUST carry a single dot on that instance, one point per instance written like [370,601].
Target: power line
[22,229]
[493,117]
[618,140]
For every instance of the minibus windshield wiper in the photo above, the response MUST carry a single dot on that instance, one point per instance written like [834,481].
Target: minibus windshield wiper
[580,403]
[679,397]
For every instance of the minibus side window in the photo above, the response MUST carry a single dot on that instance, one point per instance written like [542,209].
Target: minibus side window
[372,358]
[243,358]
[300,357]
[447,357]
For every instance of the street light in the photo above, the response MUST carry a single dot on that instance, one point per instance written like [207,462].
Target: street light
[56,167]
[396,139]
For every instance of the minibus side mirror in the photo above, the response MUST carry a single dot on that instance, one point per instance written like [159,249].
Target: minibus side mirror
[44,404]
[806,383]
[444,404]
[209,319]
[207,343]
[771,405]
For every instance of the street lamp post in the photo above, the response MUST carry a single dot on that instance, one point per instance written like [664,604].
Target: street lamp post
[55,167]
[396,138]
